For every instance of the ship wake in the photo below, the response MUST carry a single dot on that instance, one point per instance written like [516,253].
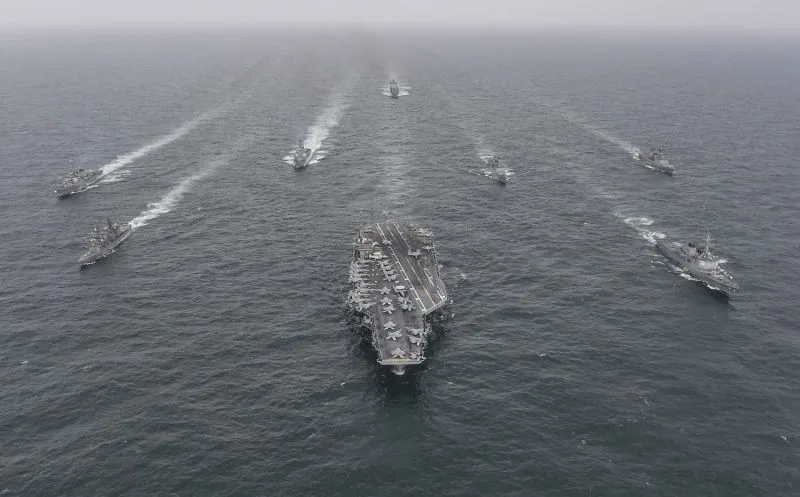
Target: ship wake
[321,129]
[578,121]
[628,147]
[641,225]
[171,199]
[179,132]
[115,176]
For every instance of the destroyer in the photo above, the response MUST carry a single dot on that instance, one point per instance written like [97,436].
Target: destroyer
[395,284]
[104,241]
[700,263]
[394,88]
[77,181]
[301,155]
[654,159]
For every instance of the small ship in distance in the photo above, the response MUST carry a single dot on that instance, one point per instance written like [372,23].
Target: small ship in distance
[104,241]
[655,160]
[700,263]
[394,88]
[77,181]
[301,155]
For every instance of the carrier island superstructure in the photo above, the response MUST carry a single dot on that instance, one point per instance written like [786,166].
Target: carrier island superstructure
[395,285]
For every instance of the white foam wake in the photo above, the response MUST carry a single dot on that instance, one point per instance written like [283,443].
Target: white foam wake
[115,176]
[639,223]
[631,149]
[579,121]
[179,132]
[401,93]
[319,131]
[171,199]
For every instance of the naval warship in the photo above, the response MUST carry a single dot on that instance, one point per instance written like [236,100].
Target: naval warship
[301,156]
[700,263]
[655,160]
[495,170]
[104,241]
[395,285]
[394,89]
[77,181]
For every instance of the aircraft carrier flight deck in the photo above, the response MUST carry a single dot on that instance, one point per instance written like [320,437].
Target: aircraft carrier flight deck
[395,284]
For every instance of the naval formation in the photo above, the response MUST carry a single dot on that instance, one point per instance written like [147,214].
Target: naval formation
[395,285]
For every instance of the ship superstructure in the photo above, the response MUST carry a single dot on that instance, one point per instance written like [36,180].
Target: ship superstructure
[301,155]
[395,284]
[104,241]
[495,169]
[655,160]
[701,263]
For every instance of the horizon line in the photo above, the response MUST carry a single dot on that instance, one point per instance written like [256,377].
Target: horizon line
[334,25]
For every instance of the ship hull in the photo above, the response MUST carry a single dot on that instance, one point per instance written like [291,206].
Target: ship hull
[90,258]
[707,280]
[65,192]
[500,178]
[659,165]
[662,168]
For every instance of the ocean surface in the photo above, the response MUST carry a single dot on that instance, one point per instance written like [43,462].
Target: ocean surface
[212,354]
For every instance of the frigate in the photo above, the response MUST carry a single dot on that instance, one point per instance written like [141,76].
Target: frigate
[301,155]
[395,286]
[104,241]
[394,88]
[654,159]
[495,170]
[77,181]
[700,263]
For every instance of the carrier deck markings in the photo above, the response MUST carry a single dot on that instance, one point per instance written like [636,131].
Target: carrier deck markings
[405,273]
[408,248]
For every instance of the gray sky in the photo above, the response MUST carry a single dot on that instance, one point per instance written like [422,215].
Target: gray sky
[745,14]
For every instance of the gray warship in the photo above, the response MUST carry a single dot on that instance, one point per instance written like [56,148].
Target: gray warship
[301,155]
[394,88]
[104,241]
[495,170]
[654,159]
[77,181]
[395,285]
[700,263]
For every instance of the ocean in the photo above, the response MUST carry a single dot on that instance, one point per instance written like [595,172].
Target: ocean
[213,355]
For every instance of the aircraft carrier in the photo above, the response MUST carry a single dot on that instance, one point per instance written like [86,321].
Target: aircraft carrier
[395,285]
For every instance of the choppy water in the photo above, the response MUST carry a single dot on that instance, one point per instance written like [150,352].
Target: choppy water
[212,354]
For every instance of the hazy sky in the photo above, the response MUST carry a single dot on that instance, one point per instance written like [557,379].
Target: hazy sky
[747,14]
